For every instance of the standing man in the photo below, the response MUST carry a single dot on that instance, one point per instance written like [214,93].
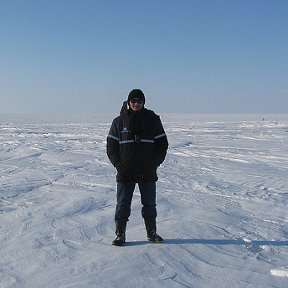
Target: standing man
[136,146]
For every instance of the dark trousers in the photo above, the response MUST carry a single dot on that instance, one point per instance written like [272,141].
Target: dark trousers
[124,199]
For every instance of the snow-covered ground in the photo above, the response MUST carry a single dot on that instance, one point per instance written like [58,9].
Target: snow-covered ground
[222,205]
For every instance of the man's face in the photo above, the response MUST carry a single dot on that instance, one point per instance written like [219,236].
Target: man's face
[136,104]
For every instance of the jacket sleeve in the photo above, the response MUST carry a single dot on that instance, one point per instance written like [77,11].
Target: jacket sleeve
[160,142]
[112,146]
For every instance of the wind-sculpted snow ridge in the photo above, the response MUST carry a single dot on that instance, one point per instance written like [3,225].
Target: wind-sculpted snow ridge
[222,206]
[280,272]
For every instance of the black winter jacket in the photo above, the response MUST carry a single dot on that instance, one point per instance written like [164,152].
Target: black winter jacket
[136,145]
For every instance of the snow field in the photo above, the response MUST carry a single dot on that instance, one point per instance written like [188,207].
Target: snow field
[222,205]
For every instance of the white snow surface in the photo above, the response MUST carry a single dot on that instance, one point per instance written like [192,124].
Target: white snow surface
[222,201]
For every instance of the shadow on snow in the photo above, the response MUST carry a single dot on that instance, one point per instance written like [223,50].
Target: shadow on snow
[179,241]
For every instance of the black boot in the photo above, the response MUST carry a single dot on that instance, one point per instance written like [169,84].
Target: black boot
[120,233]
[152,236]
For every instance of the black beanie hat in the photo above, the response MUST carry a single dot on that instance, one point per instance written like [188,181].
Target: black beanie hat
[136,93]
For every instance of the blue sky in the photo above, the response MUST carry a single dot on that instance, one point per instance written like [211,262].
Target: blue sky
[188,56]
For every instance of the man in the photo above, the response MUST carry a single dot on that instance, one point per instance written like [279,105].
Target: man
[136,146]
